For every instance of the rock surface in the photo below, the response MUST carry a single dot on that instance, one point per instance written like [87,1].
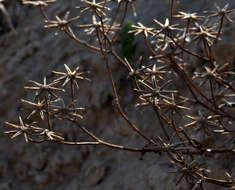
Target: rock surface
[34,53]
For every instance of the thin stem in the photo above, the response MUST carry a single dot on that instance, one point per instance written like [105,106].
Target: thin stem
[116,99]
[212,93]
[171,11]
[81,42]
[220,29]
[48,114]
[161,123]
[122,20]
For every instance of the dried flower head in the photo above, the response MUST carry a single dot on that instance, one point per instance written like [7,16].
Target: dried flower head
[38,3]
[22,128]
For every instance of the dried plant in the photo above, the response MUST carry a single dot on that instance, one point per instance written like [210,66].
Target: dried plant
[205,106]
[7,16]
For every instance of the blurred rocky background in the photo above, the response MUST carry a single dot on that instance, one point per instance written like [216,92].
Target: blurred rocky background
[33,53]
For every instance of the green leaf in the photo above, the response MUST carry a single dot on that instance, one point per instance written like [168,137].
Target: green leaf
[127,40]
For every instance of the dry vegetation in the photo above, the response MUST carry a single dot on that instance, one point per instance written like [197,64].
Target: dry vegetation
[181,52]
